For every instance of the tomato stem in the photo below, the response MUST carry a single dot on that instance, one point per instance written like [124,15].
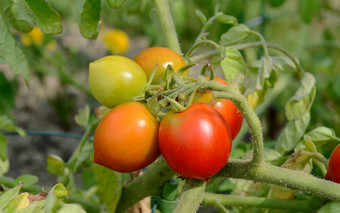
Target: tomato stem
[166,20]
[191,197]
[260,202]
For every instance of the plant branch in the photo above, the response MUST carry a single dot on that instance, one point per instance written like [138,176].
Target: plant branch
[266,173]
[299,69]
[250,116]
[259,202]
[164,14]
[150,182]
[187,55]
[191,197]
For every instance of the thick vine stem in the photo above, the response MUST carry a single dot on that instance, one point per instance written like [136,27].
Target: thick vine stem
[191,197]
[150,182]
[267,173]
[250,116]
[169,31]
[260,202]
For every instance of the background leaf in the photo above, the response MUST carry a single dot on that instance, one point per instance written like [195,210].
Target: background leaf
[90,17]
[292,133]
[233,63]
[308,8]
[109,185]
[18,14]
[330,207]
[235,35]
[11,52]
[46,17]
[303,99]
[321,135]
[28,180]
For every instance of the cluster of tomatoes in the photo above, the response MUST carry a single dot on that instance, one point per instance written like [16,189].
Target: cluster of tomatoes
[195,142]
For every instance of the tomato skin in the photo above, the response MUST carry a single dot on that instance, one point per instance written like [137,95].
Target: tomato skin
[115,80]
[225,107]
[196,142]
[125,140]
[162,57]
[333,173]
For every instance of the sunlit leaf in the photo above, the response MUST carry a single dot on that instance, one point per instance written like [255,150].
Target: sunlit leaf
[320,135]
[235,35]
[35,207]
[5,197]
[55,165]
[232,64]
[109,185]
[82,119]
[11,52]
[303,99]
[16,203]
[71,208]
[292,133]
[90,19]
[46,17]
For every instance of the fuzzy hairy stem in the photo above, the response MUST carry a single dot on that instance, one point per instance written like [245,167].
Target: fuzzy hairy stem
[169,31]
[266,173]
[150,182]
[259,202]
[191,197]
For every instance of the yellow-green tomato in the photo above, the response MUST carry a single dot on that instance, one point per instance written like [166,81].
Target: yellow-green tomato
[116,79]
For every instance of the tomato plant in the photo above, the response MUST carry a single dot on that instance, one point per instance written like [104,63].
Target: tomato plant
[196,142]
[162,57]
[225,107]
[125,140]
[333,172]
[116,79]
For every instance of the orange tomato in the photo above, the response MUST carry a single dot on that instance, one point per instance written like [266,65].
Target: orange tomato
[125,140]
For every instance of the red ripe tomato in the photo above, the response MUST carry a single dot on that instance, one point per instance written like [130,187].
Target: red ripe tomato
[196,142]
[333,173]
[125,140]
[225,107]
[162,57]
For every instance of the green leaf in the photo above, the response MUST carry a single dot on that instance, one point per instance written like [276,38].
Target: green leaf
[46,17]
[59,190]
[303,99]
[90,19]
[276,3]
[11,52]
[35,207]
[7,98]
[321,135]
[270,154]
[3,147]
[309,8]
[55,165]
[16,203]
[83,117]
[232,64]
[84,155]
[4,166]
[28,180]
[115,4]
[18,14]
[235,35]
[109,186]
[292,133]
[201,16]
[5,197]
[330,207]
[71,208]
[8,125]
[283,64]
[226,19]
[266,79]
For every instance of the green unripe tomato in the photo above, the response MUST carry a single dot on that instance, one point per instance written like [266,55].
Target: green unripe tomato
[116,79]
